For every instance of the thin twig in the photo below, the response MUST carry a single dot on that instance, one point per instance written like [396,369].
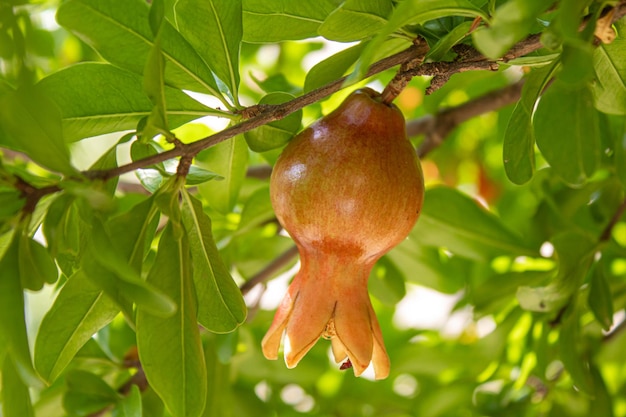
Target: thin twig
[608,230]
[266,273]
[437,127]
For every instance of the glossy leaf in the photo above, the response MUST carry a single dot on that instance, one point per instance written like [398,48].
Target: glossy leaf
[519,139]
[219,402]
[170,349]
[131,405]
[574,251]
[332,68]
[221,307]
[219,40]
[79,311]
[11,202]
[154,80]
[13,324]
[456,35]
[386,282]
[355,20]
[571,353]
[498,291]
[602,404]
[454,221]
[275,134]
[257,211]
[107,25]
[228,159]
[36,266]
[111,257]
[99,98]
[600,299]
[276,21]
[16,399]
[414,12]
[87,393]
[566,131]
[424,266]
[619,147]
[199,175]
[63,232]
[511,23]
[33,125]
[610,77]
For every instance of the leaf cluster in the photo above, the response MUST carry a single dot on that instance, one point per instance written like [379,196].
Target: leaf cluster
[137,138]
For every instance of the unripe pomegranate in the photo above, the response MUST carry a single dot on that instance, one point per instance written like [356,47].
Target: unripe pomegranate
[347,189]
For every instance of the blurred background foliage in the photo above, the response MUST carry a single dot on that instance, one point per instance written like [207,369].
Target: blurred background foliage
[461,302]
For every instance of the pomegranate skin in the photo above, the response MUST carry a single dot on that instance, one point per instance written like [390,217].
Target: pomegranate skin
[347,189]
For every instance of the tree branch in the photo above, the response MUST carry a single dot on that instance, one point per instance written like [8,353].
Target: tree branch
[266,273]
[437,127]
[409,59]
[608,230]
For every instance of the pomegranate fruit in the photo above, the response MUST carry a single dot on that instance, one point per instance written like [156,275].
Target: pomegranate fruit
[347,189]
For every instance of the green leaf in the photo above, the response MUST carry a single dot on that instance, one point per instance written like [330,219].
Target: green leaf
[275,134]
[170,349]
[443,45]
[511,23]
[219,40]
[600,299]
[154,86]
[574,360]
[33,125]
[79,311]
[109,255]
[87,393]
[199,175]
[566,130]
[609,88]
[332,68]
[63,232]
[576,64]
[257,211]
[151,177]
[13,325]
[619,146]
[281,20]
[496,292]
[458,223]
[414,12]
[156,16]
[16,401]
[95,99]
[36,266]
[386,282]
[219,401]
[108,160]
[11,202]
[355,20]
[221,307]
[519,140]
[228,159]
[424,265]
[602,404]
[574,252]
[131,405]
[108,25]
